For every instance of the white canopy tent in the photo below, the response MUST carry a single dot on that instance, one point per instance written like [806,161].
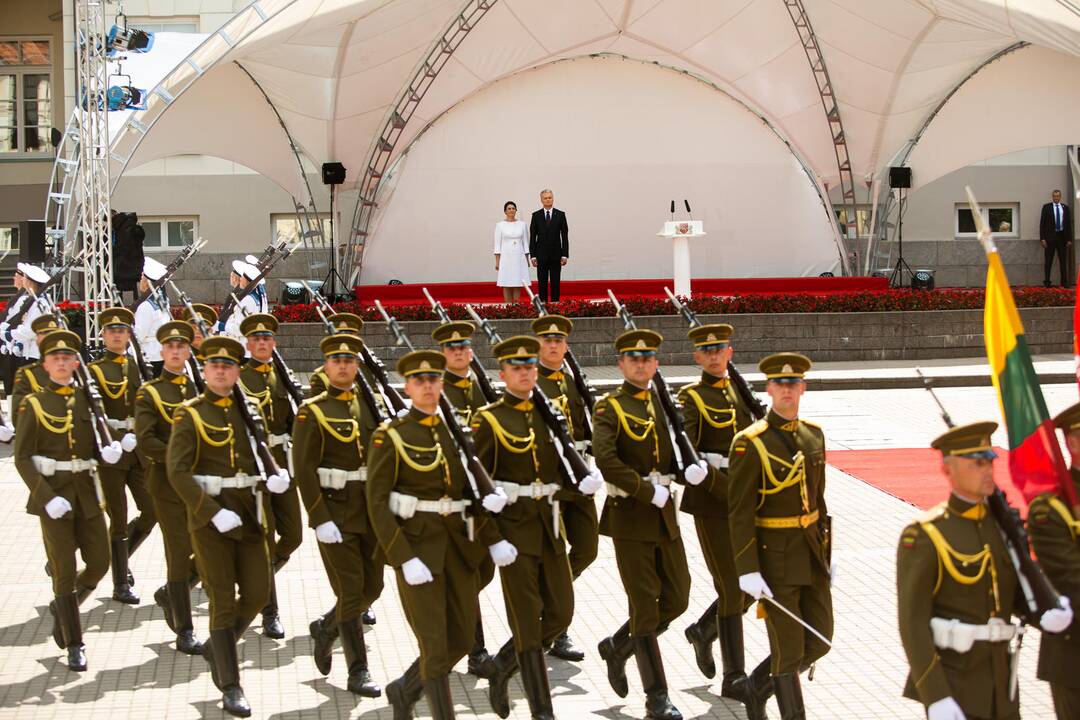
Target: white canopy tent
[330,74]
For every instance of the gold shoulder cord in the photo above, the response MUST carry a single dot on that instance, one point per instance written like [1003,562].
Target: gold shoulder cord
[563,403]
[201,426]
[111,390]
[401,446]
[34,384]
[57,424]
[708,412]
[262,398]
[161,404]
[648,425]
[770,484]
[1063,511]
[947,558]
[514,444]
[324,423]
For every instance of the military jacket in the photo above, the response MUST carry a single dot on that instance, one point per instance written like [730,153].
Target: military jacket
[560,388]
[209,438]
[28,379]
[630,441]
[777,474]
[464,394]
[333,430]
[156,403]
[415,455]
[261,383]
[118,380]
[1055,535]
[952,564]
[515,446]
[712,414]
[54,422]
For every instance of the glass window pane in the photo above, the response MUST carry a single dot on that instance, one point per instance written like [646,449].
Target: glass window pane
[7,113]
[36,113]
[9,238]
[181,232]
[7,88]
[35,139]
[9,53]
[862,216]
[286,228]
[1001,220]
[36,87]
[8,142]
[35,52]
[965,222]
[153,233]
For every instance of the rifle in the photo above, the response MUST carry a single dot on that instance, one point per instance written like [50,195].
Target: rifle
[269,258]
[479,480]
[746,393]
[170,270]
[487,389]
[576,371]
[15,320]
[1039,594]
[140,360]
[683,446]
[374,364]
[366,390]
[288,379]
[193,365]
[576,467]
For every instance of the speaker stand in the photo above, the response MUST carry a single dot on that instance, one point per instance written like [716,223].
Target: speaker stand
[333,279]
[896,278]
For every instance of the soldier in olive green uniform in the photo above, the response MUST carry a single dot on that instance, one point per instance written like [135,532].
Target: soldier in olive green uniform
[347,324]
[634,453]
[464,393]
[212,466]
[117,378]
[155,411]
[55,455]
[431,532]
[580,523]
[1055,534]
[260,381]
[780,532]
[331,440]
[32,377]
[209,317]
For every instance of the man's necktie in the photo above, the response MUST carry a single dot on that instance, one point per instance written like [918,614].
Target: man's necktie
[1057,217]
[548,213]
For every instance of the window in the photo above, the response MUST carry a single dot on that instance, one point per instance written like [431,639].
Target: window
[1003,219]
[285,226]
[9,237]
[173,24]
[169,233]
[862,217]
[25,95]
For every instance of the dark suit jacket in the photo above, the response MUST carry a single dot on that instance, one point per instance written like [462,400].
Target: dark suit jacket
[549,241]
[1046,223]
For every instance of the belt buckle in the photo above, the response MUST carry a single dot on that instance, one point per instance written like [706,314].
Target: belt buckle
[446,505]
[536,490]
[804,521]
[654,477]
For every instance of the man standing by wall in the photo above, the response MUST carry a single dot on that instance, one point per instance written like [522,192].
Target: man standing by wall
[549,245]
[1056,236]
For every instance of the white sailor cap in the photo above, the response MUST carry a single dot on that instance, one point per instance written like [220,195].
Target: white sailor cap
[153,269]
[33,272]
[245,269]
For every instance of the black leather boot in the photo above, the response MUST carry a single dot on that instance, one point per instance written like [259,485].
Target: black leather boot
[615,651]
[701,635]
[233,700]
[759,688]
[219,638]
[137,532]
[732,657]
[440,702]
[789,696]
[271,621]
[565,649]
[57,626]
[479,658]
[324,633]
[352,642]
[653,680]
[537,687]
[67,609]
[405,691]
[164,601]
[121,586]
[501,668]
[180,604]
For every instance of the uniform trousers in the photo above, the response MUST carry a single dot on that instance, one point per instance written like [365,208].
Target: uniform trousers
[235,574]
[115,482]
[172,519]
[581,528]
[715,538]
[793,648]
[539,595]
[356,578]
[657,582]
[70,533]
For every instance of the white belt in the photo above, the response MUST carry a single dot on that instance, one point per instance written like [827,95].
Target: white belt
[212,485]
[48,466]
[276,440]
[717,460]
[125,424]
[335,478]
[960,636]
[532,491]
[654,477]
[405,506]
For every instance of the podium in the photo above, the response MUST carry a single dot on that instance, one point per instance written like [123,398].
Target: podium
[680,232]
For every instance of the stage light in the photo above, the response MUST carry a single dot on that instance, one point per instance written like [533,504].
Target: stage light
[294,293]
[126,97]
[826,274]
[922,280]
[395,281]
[125,39]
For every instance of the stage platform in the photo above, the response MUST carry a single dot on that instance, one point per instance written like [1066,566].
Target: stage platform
[488,292]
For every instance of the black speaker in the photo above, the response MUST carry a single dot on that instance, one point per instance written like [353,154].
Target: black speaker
[32,241]
[900,177]
[333,173]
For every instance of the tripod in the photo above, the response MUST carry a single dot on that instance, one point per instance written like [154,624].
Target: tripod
[333,277]
[896,278]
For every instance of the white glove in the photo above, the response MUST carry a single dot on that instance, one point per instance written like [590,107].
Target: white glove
[697,472]
[278,484]
[660,496]
[328,533]
[112,453]
[57,508]
[128,442]
[945,709]
[416,572]
[833,571]
[1057,619]
[503,553]
[402,413]
[7,431]
[754,585]
[591,483]
[225,520]
[496,501]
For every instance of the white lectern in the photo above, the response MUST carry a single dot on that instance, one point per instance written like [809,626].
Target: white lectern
[680,232]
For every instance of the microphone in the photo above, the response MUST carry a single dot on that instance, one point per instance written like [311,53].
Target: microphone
[689,212]
[672,209]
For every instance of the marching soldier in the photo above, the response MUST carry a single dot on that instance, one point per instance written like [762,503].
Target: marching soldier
[32,377]
[211,465]
[712,414]
[331,442]
[56,455]
[209,317]
[957,590]
[243,274]
[349,324]
[578,511]
[260,382]
[118,380]
[633,451]
[780,533]
[431,533]
[19,340]
[156,403]
[464,393]
[151,314]
[1055,533]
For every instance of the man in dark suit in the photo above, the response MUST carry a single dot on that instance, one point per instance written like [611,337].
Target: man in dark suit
[1056,236]
[549,245]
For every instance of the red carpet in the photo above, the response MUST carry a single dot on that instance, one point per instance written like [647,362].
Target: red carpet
[914,475]
[487,292]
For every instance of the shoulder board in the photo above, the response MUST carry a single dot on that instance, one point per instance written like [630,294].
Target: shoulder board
[693,385]
[933,514]
[491,406]
[909,535]
[752,430]
[192,402]
[811,424]
[314,399]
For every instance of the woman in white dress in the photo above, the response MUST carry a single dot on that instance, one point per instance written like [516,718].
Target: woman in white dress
[511,253]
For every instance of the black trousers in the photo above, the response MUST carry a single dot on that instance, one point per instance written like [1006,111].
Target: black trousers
[1059,247]
[547,272]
